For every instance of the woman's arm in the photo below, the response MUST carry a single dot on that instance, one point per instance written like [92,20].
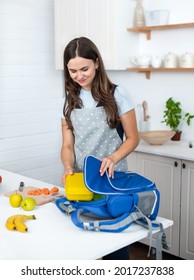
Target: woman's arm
[128,121]
[67,150]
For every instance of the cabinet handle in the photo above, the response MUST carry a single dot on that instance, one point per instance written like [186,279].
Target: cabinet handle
[184,165]
[175,163]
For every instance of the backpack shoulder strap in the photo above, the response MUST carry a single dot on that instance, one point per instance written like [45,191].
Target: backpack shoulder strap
[161,236]
[110,225]
[64,205]
[115,225]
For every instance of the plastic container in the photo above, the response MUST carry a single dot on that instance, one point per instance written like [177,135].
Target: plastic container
[156,17]
[75,188]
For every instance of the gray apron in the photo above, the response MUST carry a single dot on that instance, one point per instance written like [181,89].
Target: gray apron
[94,137]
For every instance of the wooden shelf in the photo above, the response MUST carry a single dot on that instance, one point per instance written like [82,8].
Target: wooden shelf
[147,71]
[147,29]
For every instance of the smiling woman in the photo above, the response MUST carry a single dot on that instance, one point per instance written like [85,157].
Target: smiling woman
[111,111]
[82,71]
[96,115]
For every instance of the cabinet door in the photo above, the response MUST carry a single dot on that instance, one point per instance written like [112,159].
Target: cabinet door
[187,211]
[132,162]
[88,18]
[166,173]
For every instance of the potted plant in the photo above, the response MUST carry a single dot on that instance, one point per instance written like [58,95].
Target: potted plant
[173,115]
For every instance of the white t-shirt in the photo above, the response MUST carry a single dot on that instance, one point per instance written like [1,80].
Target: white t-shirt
[122,98]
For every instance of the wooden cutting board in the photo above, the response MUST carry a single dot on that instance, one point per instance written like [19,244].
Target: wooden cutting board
[40,199]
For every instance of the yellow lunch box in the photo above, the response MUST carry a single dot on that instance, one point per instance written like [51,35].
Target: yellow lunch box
[75,188]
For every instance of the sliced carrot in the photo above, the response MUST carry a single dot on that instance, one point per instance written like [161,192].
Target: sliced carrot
[38,191]
[45,191]
[30,192]
[54,190]
[34,192]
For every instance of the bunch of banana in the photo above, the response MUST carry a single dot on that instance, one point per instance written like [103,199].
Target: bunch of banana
[17,222]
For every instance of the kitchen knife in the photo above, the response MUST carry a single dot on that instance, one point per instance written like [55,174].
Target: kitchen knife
[21,187]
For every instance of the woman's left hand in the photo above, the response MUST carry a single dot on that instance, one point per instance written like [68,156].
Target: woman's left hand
[107,164]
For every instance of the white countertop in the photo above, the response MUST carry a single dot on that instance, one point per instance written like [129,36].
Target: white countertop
[52,235]
[175,149]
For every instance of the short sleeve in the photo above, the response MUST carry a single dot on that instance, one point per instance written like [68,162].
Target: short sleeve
[123,99]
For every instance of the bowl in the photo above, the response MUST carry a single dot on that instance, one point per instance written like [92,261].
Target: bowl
[156,137]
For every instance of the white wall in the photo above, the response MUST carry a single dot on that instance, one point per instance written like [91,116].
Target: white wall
[163,85]
[30,133]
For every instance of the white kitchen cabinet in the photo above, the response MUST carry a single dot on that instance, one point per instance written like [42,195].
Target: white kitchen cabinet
[98,20]
[165,172]
[175,181]
[187,211]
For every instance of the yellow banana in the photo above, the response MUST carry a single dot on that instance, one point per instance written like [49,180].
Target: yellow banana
[10,223]
[17,222]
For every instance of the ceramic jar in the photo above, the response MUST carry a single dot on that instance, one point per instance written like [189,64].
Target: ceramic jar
[187,60]
[170,60]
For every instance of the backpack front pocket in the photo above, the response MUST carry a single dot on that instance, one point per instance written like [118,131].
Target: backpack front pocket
[118,205]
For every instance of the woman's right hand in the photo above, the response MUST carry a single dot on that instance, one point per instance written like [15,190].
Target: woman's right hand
[68,171]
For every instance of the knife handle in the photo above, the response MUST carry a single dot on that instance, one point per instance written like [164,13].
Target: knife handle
[21,187]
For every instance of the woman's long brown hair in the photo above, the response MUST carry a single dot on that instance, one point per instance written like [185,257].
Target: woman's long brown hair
[102,88]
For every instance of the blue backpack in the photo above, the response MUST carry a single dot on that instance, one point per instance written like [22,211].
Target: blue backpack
[126,198]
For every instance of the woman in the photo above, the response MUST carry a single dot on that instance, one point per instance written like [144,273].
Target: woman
[96,113]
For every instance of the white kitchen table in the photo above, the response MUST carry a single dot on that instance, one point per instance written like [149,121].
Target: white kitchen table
[52,236]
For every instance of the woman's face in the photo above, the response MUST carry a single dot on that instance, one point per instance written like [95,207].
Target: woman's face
[82,71]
